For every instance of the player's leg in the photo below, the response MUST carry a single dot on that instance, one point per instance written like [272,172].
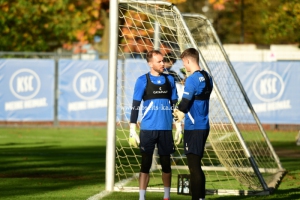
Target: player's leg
[165,162]
[194,141]
[147,145]
[166,170]
[197,180]
[144,174]
[165,147]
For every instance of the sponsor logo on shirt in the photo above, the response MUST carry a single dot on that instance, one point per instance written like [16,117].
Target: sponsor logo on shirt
[201,79]
[160,91]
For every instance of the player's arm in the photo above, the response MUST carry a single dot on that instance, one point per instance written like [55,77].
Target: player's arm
[181,110]
[173,103]
[139,89]
[134,111]
[174,97]
[183,107]
[189,92]
[178,133]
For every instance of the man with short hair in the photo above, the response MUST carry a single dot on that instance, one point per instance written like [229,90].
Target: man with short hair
[194,106]
[158,92]
[169,61]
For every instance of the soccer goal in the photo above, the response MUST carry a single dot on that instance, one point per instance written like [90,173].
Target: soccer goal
[239,159]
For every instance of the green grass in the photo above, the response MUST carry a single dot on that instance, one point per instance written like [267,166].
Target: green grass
[69,163]
[51,163]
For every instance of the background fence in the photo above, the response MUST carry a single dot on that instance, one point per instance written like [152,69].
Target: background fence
[60,89]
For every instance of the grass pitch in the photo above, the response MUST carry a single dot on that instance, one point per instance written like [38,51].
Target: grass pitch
[51,163]
[69,163]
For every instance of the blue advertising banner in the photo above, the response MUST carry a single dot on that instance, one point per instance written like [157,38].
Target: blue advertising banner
[133,68]
[273,89]
[83,90]
[27,90]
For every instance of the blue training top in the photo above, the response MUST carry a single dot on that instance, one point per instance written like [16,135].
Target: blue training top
[197,116]
[157,113]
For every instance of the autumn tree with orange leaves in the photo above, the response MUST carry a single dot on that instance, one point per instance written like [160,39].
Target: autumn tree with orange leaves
[45,25]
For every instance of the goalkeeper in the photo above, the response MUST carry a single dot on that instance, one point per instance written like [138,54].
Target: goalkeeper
[159,94]
[194,106]
[169,61]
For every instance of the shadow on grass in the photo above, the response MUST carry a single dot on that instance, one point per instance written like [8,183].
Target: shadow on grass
[54,167]
[291,194]
[29,171]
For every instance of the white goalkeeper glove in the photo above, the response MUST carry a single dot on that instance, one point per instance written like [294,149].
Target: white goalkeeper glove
[134,139]
[178,115]
[178,133]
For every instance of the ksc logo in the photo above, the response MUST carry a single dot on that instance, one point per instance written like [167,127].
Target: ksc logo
[25,84]
[88,84]
[268,86]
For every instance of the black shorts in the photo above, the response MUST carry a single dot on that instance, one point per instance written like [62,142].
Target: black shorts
[194,141]
[163,139]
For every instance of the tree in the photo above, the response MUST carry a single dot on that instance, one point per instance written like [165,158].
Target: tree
[265,21]
[228,22]
[45,25]
[284,24]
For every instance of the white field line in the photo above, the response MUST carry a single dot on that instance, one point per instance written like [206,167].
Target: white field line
[99,195]
[105,193]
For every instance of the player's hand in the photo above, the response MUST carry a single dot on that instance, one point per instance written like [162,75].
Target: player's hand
[178,133]
[178,115]
[183,71]
[134,139]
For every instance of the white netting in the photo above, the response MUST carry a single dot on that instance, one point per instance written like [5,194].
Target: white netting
[234,131]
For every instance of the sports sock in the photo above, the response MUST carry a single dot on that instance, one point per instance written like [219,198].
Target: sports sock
[167,192]
[142,194]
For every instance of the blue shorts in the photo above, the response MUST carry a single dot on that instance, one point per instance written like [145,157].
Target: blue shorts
[194,141]
[163,139]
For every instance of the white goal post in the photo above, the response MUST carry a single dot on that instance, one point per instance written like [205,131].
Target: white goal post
[239,158]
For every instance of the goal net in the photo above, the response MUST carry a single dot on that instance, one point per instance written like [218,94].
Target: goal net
[238,159]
